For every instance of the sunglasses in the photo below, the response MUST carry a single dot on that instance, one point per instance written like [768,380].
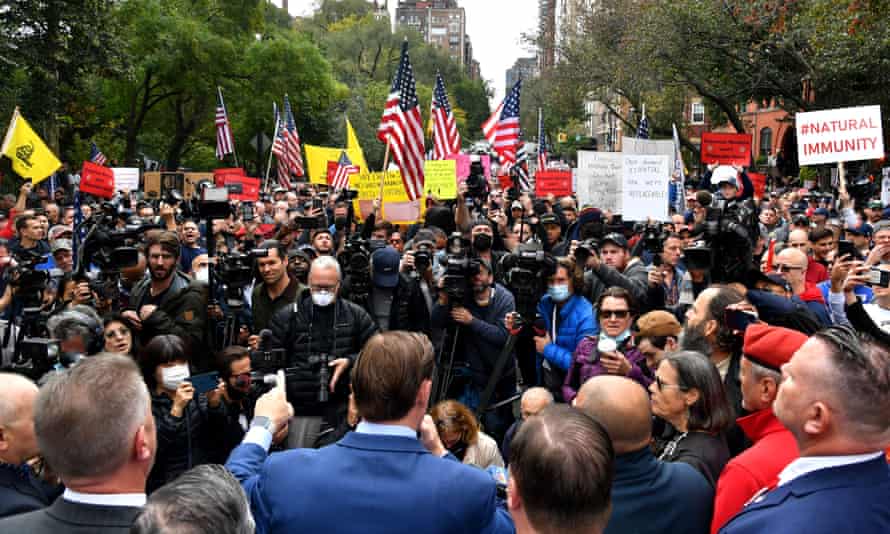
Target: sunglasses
[781,268]
[661,384]
[617,314]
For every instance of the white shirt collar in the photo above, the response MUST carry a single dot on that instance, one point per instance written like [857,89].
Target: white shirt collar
[365,427]
[808,464]
[136,500]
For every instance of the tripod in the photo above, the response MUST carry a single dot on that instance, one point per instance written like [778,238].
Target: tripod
[519,323]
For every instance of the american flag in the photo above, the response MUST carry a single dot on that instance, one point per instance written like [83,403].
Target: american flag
[96,155]
[292,141]
[643,127]
[520,168]
[502,128]
[225,144]
[78,225]
[446,139]
[402,127]
[542,142]
[278,148]
[345,169]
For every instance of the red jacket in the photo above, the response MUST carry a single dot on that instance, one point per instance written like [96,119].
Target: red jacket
[756,468]
[816,272]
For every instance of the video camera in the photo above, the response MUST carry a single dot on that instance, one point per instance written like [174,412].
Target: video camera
[477,187]
[526,273]
[24,276]
[460,269]
[726,243]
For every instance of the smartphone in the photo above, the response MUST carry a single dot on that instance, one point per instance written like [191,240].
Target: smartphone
[878,277]
[247,212]
[739,319]
[317,203]
[204,382]
[845,248]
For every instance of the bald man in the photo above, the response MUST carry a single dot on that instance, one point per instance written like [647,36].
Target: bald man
[648,496]
[793,265]
[800,239]
[533,401]
[20,489]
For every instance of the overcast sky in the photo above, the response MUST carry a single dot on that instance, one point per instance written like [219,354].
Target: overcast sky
[495,28]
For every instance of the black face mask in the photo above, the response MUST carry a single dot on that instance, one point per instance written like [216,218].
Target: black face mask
[340,223]
[482,242]
[459,450]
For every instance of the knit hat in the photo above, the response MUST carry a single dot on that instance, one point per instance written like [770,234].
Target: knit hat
[771,346]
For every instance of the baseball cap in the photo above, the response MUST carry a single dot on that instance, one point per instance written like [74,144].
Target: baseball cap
[724,174]
[549,218]
[616,239]
[62,244]
[58,230]
[822,211]
[875,205]
[861,229]
[657,324]
[516,205]
[385,267]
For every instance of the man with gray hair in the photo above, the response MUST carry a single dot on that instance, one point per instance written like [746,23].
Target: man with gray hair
[204,500]
[78,330]
[21,489]
[322,335]
[95,428]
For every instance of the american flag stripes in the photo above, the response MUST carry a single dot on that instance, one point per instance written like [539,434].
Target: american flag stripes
[345,169]
[96,155]
[502,128]
[643,127]
[542,142]
[401,126]
[292,141]
[520,168]
[446,139]
[225,143]
[278,149]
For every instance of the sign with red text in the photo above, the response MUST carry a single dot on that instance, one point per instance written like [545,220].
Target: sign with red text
[726,148]
[97,180]
[845,134]
[559,183]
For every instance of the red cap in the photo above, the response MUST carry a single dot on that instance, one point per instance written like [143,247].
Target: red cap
[771,346]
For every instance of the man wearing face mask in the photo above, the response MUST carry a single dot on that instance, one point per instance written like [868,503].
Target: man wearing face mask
[481,335]
[319,329]
[239,396]
[482,236]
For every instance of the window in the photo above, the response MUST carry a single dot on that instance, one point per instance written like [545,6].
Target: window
[766,141]
[698,113]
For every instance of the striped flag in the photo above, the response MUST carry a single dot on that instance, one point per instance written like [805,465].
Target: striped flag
[502,128]
[96,155]
[225,144]
[643,127]
[278,143]
[345,169]
[446,139]
[520,168]
[677,190]
[292,152]
[401,126]
[542,142]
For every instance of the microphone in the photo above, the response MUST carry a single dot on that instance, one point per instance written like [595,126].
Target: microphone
[265,338]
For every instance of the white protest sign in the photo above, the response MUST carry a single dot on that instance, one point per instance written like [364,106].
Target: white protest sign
[845,134]
[599,180]
[885,186]
[126,178]
[647,147]
[645,187]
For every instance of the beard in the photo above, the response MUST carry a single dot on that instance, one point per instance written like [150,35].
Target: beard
[693,338]
[160,273]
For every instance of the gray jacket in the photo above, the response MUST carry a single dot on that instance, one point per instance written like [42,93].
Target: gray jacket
[635,279]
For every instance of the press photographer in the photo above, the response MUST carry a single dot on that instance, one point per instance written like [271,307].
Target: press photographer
[322,335]
[610,264]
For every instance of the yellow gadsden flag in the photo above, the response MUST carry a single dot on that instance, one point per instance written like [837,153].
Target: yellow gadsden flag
[30,156]
[317,157]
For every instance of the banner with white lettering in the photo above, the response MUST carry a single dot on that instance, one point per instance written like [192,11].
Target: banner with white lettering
[845,134]
[645,188]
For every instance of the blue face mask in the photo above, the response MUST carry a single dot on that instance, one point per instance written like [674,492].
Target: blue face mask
[619,339]
[559,293]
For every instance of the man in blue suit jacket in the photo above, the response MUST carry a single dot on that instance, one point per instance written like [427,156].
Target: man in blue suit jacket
[380,478]
[835,399]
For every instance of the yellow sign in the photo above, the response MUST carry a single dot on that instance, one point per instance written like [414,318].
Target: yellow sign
[440,178]
[368,185]
[30,156]
[317,157]
[562,137]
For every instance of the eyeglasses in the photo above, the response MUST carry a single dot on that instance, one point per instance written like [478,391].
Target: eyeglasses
[617,314]
[782,268]
[661,384]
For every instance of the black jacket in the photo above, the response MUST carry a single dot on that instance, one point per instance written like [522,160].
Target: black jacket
[21,491]
[304,330]
[409,310]
[182,311]
[73,518]
[186,441]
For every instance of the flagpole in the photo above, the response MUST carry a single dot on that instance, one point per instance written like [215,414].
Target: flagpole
[234,152]
[8,137]
[269,165]
[383,174]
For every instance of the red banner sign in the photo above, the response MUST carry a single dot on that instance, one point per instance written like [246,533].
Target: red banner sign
[759,182]
[235,178]
[559,183]
[97,180]
[726,148]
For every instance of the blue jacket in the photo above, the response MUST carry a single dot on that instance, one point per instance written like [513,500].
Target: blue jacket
[850,498]
[649,496]
[367,484]
[575,321]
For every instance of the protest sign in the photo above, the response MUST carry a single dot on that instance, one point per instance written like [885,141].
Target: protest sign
[557,183]
[647,147]
[759,182]
[440,178]
[97,180]
[156,183]
[235,179]
[126,178]
[726,148]
[845,134]
[645,187]
[462,165]
[599,180]
[885,186]
[397,208]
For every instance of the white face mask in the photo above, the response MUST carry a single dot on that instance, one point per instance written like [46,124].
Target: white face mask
[202,275]
[322,298]
[172,376]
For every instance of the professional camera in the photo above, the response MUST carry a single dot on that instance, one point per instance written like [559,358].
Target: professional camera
[728,233]
[586,249]
[526,273]
[235,271]
[423,257]
[355,262]
[460,269]
[652,241]
[37,356]
[476,184]
[324,374]
[25,277]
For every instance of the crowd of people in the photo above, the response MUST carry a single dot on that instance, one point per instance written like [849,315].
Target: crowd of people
[509,363]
